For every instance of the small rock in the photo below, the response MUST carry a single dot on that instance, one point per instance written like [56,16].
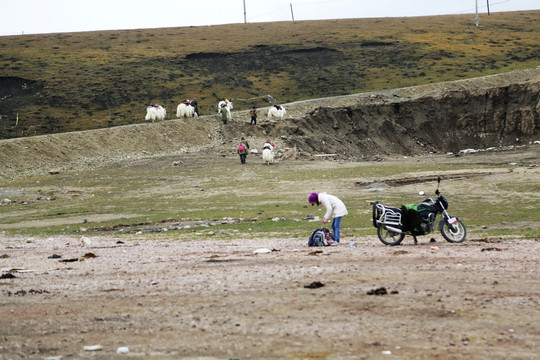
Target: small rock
[262,251]
[122,350]
[379,291]
[314,285]
[93,347]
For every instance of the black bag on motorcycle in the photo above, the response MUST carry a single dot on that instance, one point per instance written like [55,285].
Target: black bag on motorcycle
[410,218]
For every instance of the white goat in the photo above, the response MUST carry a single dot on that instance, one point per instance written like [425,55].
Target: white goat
[268,156]
[155,113]
[274,112]
[185,111]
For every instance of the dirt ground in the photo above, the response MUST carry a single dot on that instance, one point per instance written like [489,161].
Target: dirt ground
[210,300]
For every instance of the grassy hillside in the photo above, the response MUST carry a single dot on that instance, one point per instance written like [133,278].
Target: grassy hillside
[77,81]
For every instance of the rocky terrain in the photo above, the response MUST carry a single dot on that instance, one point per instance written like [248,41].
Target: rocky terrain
[208,300]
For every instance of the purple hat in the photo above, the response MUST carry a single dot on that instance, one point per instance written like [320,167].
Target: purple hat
[313,198]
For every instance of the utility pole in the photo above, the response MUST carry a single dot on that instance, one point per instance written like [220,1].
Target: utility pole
[245,21]
[292,13]
[488,6]
[476,18]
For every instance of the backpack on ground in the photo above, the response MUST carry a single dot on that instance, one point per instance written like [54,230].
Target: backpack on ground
[321,237]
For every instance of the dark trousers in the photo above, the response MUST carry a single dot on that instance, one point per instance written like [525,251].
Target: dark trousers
[253,120]
[243,158]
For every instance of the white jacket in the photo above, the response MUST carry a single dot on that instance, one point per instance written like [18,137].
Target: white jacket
[333,206]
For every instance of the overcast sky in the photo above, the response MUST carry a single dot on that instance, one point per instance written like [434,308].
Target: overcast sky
[51,16]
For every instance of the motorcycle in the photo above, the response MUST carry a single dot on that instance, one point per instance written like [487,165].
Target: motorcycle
[394,223]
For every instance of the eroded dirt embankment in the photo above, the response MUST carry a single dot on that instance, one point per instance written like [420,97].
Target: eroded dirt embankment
[448,117]
[483,112]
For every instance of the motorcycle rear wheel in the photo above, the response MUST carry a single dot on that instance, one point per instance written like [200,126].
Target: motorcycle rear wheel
[454,233]
[388,237]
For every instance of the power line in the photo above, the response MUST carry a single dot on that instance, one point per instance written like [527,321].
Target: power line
[283,9]
[300,5]
[480,7]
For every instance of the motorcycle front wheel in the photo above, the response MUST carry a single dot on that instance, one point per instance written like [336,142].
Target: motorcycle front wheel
[454,233]
[388,237]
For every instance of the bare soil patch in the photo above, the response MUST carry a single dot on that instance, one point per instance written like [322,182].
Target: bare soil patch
[220,300]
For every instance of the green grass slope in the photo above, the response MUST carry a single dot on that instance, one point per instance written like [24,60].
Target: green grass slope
[76,81]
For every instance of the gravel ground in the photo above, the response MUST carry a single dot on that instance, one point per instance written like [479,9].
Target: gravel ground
[215,299]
